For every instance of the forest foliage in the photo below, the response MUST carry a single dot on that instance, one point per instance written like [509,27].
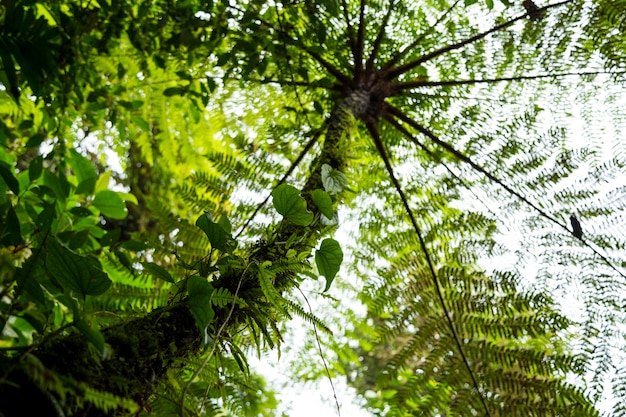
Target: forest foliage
[434,187]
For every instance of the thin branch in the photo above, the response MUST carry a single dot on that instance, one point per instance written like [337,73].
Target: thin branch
[394,72]
[360,40]
[350,30]
[319,348]
[401,54]
[344,79]
[398,87]
[422,94]
[424,148]
[293,166]
[369,66]
[372,128]
[426,132]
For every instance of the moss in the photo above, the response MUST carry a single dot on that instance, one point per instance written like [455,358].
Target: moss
[141,352]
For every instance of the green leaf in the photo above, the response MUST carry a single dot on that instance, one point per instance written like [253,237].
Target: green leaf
[81,211]
[92,334]
[173,91]
[110,204]
[35,140]
[139,121]
[134,246]
[157,271]
[34,168]
[46,217]
[54,183]
[334,181]
[288,202]
[200,292]
[111,237]
[328,259]
[218,237]
[75,272]
[12,233]
[9,179]
[323,201]
[84,171]
[225,223]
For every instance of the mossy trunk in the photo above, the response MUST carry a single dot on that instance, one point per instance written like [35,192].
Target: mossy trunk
[141,350]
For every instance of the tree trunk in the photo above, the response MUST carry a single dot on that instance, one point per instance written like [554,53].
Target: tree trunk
[142,349]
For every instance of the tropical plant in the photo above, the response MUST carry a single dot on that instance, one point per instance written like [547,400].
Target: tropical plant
[173,173]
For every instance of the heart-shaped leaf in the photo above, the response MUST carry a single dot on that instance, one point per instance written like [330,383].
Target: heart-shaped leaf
[74,272]
[110,204]
[323,202]
[328,259]
[200,292]
[218,237]
[334,181]
[288,202]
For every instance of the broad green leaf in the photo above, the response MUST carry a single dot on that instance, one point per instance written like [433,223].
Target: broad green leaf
[157,271]
[128,197]
[74,272]
[291,205]
[110,238]
[28,279]
[84,171]
[12,233]
[225,223]
[46,217]
[54,183]
[81,211]
[173,91]
[103,182]
[35,140]
[334,181]
[110,204]
[200,292]
[328,259]
[92,334]
[134,246]
[323,202]
[34,168]
[82,167]
[141,122]
[9,179]
[218,237]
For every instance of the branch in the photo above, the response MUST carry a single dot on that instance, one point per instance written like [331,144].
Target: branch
[344,79]
[426,132]
[397,57]
[394,72]
[430,153]
[397,88]
[369,66]
[373,129]
[360,40]
[350,30]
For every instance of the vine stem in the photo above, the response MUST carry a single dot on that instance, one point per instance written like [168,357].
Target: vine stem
[319,348]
